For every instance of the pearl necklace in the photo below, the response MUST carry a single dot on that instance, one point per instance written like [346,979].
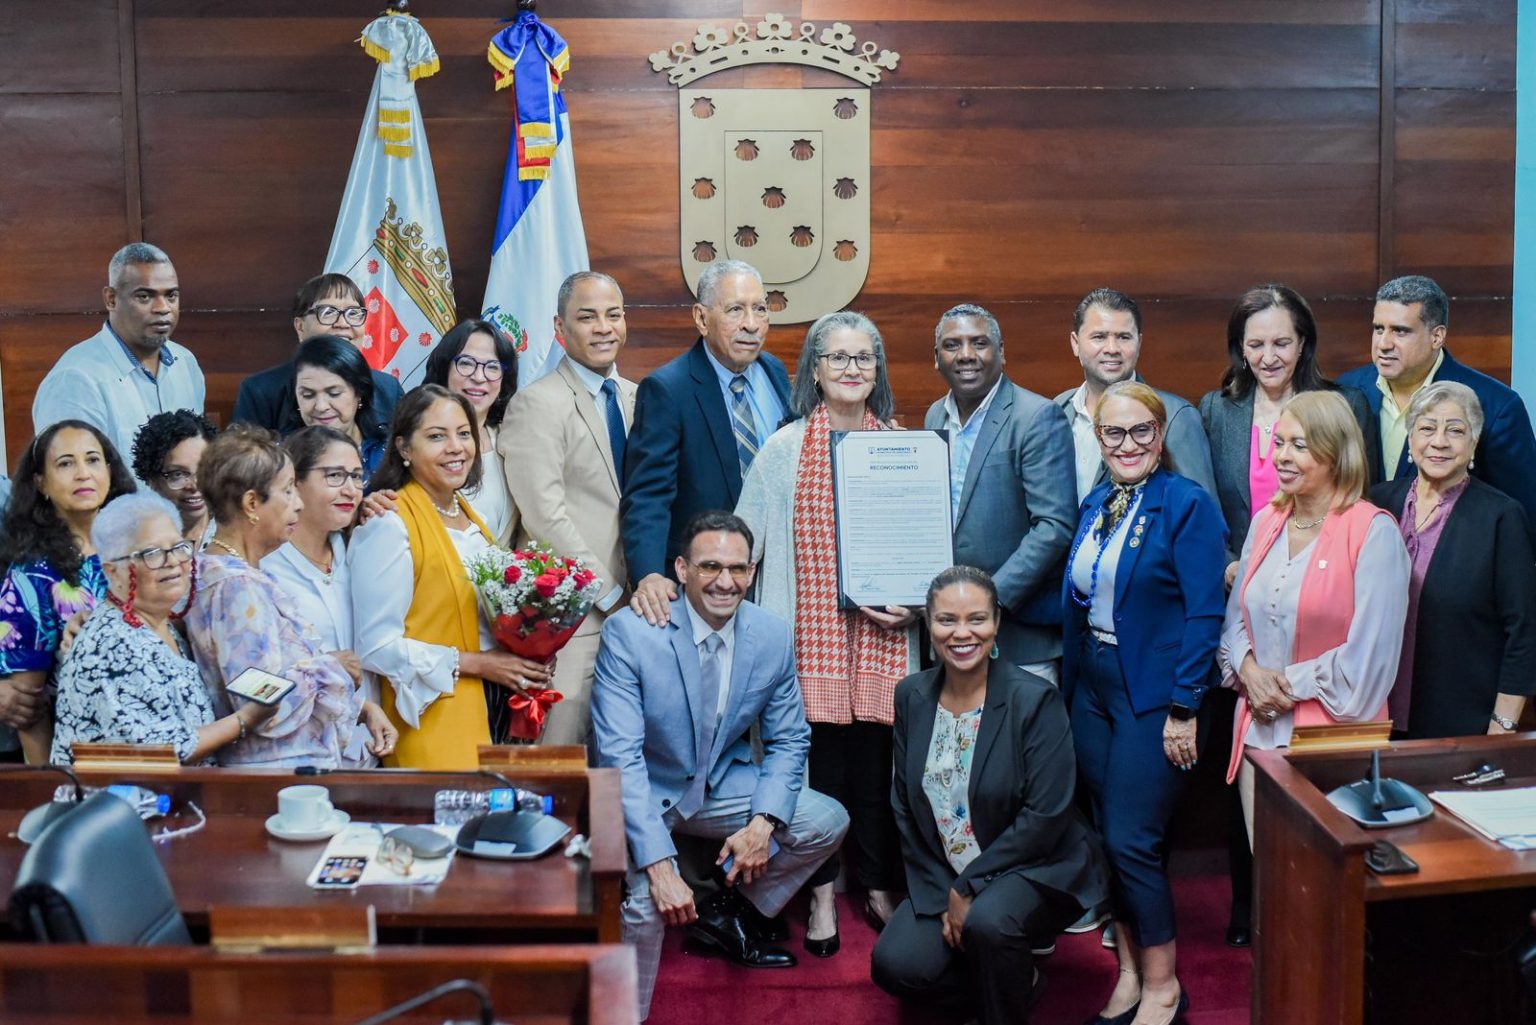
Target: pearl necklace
[453,506]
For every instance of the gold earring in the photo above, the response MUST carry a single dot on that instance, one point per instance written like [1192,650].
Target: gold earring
[254,519]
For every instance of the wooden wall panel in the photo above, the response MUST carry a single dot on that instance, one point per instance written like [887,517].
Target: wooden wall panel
[1026,151]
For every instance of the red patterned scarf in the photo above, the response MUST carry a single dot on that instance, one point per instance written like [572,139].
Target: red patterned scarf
[848,666]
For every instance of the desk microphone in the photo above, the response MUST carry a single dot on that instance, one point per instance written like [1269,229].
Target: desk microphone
[487,1012]
[34,822]
[1376,803]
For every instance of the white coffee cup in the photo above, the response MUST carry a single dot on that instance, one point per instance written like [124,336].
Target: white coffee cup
[305,806]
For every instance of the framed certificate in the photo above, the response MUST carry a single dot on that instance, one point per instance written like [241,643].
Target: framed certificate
[895,533]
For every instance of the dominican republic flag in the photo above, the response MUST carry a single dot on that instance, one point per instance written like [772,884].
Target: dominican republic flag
[389,233]
[539,237]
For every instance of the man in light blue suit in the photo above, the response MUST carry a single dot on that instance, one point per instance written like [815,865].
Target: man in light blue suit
[671,709]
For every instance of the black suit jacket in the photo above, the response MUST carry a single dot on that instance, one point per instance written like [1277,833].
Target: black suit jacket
[1229,428]
[266,398]
[1022,775]
[1506,450]
[1475,633]
[681,458]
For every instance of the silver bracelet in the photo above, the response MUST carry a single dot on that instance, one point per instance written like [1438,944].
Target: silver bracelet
[456,656]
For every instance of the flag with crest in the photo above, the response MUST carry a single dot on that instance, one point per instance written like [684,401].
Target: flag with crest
[389,234]
[539,237]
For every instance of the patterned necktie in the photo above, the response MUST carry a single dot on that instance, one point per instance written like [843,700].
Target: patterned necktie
[615,416]
[742,424]
[704,729]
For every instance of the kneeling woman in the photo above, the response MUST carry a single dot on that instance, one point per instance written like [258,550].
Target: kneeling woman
[995,850]
[1144,578]
[129,678]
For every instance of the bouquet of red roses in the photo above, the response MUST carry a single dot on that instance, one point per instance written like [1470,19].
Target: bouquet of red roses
[534,600]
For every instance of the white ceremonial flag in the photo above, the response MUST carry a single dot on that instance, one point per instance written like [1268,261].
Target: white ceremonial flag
[389,233]
[539,236]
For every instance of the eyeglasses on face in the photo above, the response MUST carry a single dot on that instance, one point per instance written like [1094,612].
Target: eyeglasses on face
[1112,437]
[336,476]
[329,315]
[467,365]
[159,558]
[840,360]
[179,480]
[710,570]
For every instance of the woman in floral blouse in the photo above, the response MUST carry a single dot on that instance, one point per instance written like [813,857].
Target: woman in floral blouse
[129,678]
[65,475]
[995,850]
[241,618]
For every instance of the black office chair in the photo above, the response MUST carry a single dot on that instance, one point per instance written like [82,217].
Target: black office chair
[93,877]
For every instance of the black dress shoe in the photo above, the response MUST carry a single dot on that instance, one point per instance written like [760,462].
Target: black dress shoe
[724,933]
[827,947]
[1123,1018]
[1239,935]
[759,925]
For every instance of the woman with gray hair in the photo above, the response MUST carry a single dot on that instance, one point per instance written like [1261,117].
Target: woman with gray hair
[1469,644]
[849,662]
[129,678]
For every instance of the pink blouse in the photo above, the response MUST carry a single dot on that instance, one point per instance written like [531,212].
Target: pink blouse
[1263,482]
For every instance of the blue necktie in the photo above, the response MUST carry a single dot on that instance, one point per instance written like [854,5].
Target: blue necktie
[707,711]
[616,439]
[742,424]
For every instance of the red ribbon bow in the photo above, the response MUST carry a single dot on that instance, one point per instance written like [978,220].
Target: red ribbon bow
[530,709]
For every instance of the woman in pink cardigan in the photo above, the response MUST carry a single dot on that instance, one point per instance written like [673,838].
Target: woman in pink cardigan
[1314,624]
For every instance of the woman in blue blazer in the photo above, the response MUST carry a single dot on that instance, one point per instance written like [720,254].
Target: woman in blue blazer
[1144,576]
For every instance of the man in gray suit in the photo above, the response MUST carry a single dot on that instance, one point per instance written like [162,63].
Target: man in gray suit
[1010,484]
[1106,339]
[672,705]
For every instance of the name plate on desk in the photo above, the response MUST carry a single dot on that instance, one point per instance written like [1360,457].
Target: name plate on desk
[891,502]
[344,929]
[545,758]
[1342,736]
[110,757]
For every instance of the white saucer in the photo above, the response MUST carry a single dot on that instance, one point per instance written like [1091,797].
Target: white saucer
[324,831]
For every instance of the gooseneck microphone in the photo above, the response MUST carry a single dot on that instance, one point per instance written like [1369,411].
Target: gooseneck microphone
[487,1012]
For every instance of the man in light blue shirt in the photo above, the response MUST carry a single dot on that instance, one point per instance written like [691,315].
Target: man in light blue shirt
[130,369]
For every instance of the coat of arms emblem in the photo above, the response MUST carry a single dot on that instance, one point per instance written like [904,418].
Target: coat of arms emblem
[777,177]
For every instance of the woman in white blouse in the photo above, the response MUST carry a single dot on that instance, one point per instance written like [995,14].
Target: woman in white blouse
[475,360]
[1314,624]
[995,849]
[445,683]
[311,566]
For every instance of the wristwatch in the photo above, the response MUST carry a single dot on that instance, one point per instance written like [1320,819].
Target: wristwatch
[1504,721]
[1183,713]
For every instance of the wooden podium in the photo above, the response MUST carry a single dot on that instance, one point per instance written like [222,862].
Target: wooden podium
[1316,900]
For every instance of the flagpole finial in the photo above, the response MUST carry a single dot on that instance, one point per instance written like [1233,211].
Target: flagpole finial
[399,6]
[527,5]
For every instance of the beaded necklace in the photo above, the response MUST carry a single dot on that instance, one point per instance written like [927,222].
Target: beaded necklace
[1102,533]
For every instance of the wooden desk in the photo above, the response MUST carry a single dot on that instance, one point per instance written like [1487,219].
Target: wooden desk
[1315,896]
[531,985]
[233,860]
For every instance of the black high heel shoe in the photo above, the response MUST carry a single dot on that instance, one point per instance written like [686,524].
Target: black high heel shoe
[827,947]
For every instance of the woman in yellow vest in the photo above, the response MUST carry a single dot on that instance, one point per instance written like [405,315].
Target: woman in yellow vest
[445,683]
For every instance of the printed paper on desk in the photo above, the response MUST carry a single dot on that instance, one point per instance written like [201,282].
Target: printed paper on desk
[362,840]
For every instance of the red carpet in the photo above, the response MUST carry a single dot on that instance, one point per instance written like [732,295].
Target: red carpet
[700,990]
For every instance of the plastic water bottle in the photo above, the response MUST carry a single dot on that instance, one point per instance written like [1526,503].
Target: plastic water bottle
[456,807]
[146,802]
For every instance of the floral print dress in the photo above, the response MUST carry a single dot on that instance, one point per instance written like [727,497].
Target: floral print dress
[35,603]
[947,780]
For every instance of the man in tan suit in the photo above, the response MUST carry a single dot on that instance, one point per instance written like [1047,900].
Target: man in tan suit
[562,441]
